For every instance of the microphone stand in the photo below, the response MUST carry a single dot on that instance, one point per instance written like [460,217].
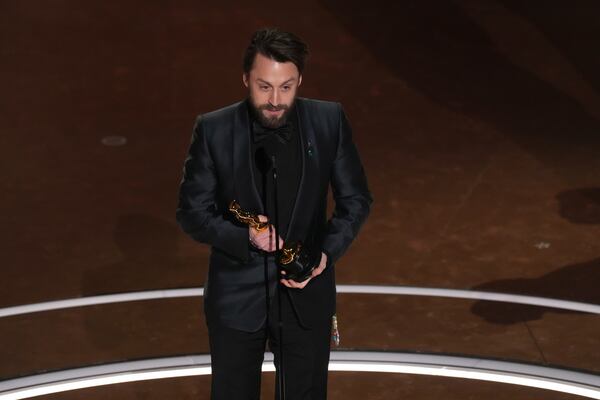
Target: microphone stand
[280,286]
[265,163]
[263,169]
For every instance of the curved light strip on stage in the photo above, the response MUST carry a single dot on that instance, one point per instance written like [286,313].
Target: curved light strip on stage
[356,289]
[577,383]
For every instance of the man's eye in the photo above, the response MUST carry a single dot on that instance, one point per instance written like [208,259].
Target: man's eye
[286,87]
[264,87]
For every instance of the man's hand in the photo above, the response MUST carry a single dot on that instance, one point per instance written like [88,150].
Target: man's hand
[292,284]
[265,239]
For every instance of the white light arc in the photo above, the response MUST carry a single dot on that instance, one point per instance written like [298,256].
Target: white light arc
[354,289]
[554,379]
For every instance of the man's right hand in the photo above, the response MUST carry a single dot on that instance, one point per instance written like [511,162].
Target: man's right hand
[265,239]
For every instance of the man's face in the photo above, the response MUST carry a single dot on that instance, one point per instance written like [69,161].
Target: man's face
[272,89]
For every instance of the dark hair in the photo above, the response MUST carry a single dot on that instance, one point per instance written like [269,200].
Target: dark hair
[278,45]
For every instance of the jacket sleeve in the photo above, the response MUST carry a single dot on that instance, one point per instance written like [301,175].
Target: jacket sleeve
[197,211]
[350,192]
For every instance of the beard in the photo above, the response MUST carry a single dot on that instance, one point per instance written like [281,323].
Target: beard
[271,122]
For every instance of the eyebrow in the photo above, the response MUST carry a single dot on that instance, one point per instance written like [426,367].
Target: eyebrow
[263,81]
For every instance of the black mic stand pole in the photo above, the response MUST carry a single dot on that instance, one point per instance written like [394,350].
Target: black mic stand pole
[264,164]
[264,174]
[280,286]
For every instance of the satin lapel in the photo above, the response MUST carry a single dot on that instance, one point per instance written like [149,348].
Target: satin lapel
[243,173]
[307,190]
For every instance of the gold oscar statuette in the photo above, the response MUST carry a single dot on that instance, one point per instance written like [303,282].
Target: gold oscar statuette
[290,252]
[247,217]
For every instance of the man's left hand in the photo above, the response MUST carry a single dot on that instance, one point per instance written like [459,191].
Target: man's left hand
[292,284]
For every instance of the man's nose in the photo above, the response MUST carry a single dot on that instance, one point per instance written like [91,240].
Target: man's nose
[274,100]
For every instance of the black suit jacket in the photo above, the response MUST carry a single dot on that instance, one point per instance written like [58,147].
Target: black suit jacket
[218,170]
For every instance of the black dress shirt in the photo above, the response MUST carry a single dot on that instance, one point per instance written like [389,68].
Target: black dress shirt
[284,144]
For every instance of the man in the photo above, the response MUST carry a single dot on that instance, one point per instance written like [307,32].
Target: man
[312,145]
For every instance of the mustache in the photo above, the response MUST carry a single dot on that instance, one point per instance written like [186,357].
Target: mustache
[273,108]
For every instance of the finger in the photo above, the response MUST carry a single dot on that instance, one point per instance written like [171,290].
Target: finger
[297,285]
[319,269]
[266,245]
[286,283]
[261,234]
[292,284]
[302,284]
[260,242]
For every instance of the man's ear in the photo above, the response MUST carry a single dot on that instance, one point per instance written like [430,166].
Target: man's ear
[245,79]
[299,80]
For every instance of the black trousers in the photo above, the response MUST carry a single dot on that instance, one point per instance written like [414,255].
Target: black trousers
[237,357]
